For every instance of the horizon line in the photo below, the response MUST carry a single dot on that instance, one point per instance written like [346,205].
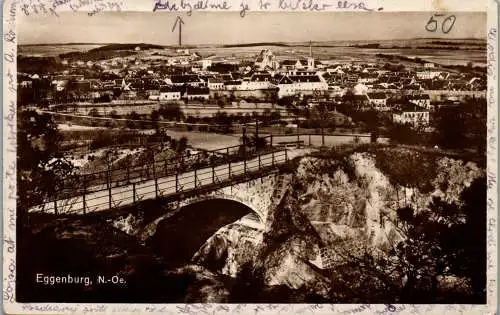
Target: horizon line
[251,43]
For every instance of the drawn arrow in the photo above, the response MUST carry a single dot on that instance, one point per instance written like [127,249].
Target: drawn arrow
[178,21]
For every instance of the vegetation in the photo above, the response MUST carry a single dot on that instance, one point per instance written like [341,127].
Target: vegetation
[441,255]
[39,65]
[41,167]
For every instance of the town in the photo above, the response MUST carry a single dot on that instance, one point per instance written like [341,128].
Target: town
[146,78]
[254,172]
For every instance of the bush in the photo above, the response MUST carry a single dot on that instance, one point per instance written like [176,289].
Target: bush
[94,112]
[102,140]
[113,114]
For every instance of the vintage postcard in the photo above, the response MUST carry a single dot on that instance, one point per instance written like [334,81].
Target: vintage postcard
[250,156]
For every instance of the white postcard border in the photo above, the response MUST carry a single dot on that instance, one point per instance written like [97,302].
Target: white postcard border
[13,10]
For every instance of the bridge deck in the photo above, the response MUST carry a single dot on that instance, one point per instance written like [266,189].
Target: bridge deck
[173,186]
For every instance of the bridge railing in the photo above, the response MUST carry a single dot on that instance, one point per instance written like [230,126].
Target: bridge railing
[119,176]
[172,186]
[148,170]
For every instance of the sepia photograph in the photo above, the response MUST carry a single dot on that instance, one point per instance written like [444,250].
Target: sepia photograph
[279,157]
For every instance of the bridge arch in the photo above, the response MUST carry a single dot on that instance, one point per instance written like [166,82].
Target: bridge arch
[179,236]
[223,196]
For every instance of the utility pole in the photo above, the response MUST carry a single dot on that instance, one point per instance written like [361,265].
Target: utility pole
[298,135]
[256,128]
[244,132]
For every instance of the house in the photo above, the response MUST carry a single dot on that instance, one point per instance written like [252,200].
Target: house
[153,94]
[427,74]
[233,85]
[168,93]
[259,81]
[60,85]
[197,93]
[411,114]
[361,101]
[298,64]
[128,95]
[337,70]
[306,84]
[286,87]
[378,101]
[180,80]
[82,86]
[215,83]
[26,83]
[288,64]
[422,100]
[428,65]
[367,77]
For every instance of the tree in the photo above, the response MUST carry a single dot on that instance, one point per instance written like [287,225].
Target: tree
[41,165]
[94,112]
[403,134]
[113,114]
[155,115]
[182,145]
[225,122]
[134,116]
[450,128]
[171,112]
[467,245]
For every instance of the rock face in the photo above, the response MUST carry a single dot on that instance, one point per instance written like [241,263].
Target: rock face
[327,203]
[229,249]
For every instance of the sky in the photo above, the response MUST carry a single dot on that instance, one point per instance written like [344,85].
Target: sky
[230,28]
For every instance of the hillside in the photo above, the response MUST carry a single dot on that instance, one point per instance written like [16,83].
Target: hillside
[117,47]
[343,213]
[352,227]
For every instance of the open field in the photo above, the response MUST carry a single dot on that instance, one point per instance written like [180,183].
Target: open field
[53,50]
[195,110]
[446,52]
[467,50]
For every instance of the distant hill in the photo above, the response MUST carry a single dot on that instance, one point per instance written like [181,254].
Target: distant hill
[254,45]
[108,51]
[93,55]
[116,47]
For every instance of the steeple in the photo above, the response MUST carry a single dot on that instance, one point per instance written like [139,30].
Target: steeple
[310,59]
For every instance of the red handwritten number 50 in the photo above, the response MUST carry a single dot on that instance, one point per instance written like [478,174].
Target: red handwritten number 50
[446,25]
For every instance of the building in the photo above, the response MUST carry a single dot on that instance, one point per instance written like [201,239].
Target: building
[266,60]
[168,93]
[367,77]
[215,84]
[206,63]
[258,81]
[289,85]
[307,83]
[187,79]
[197,93]
[427,74]
[378,101]
[422,100]
[411,114]
[428,65]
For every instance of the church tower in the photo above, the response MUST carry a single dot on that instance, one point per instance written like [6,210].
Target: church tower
[310,59]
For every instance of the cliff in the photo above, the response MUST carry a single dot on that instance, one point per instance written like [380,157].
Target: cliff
[335,210]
